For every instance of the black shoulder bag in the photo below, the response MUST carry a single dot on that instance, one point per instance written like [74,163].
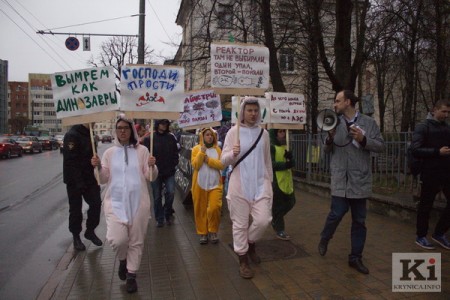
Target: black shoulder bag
[249,151]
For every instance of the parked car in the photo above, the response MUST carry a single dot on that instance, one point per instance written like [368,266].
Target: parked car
[48,143]
[60,139]
[9,147]
[106,139]
[30,144]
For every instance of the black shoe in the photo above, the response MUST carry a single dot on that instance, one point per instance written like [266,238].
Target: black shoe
[90,235]
[131,283]
[358,265]
[78,244]
[323,246]
[123,269]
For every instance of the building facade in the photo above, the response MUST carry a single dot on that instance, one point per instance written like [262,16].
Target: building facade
[42,108]
[3,96]
[18,106]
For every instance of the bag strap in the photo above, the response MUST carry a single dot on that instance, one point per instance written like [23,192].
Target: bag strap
[249,150]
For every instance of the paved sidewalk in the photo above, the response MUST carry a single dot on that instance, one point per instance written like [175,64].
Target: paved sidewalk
[176,266]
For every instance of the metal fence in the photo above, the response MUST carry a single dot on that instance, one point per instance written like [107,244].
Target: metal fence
[390,170]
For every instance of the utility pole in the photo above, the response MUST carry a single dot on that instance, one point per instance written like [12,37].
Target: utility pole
[141,40]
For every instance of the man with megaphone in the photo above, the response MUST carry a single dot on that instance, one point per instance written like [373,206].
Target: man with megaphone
[350,142]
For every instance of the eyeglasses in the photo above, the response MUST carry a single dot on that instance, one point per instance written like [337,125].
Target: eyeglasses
[123,128]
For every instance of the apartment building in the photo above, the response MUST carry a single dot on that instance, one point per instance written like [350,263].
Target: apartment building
[18,106]
[3,96]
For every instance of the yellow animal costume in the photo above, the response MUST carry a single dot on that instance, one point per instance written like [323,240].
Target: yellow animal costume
[206,184]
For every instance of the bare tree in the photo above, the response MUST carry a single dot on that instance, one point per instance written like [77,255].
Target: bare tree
[345,72]
[119,51]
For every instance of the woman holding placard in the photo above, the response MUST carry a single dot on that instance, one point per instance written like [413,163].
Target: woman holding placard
[125,169]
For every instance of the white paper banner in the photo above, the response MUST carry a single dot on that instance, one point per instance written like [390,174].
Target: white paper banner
[84,92]
[263,104]
[287,108]
[152,88]
[239,66]
[200,107]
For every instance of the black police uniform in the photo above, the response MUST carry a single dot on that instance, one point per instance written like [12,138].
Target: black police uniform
[80,180]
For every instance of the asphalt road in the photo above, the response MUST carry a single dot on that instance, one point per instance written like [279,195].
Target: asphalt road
[34,233]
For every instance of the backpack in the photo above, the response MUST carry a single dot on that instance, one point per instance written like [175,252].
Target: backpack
[415,163]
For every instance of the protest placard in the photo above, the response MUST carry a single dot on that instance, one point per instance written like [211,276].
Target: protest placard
[152,91]
[84,96]
[235,67]
[201,109]
[287,111]
[263,105]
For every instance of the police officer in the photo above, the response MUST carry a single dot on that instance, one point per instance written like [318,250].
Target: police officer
[81,183]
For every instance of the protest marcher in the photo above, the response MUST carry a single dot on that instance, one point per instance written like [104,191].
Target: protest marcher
[81,184]
[141,132]
[350,144]
[250,187]
[207,186]
[165,150]
[125,168]
[431,142]
[283,183]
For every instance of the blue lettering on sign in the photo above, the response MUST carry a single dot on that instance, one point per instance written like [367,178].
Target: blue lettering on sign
[151,78]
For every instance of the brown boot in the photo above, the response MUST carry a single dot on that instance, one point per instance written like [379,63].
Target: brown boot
[244,268]
[252,253]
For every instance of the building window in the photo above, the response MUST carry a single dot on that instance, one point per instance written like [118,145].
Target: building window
[225,16]
[287,60]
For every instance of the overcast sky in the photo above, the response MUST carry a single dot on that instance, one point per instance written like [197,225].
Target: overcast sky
[28,52]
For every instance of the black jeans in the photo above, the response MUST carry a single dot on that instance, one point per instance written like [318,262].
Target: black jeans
[282,204]
[432,184]
[92,197]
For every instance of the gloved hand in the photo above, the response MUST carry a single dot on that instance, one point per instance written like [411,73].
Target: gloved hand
[289,164]
[288,155]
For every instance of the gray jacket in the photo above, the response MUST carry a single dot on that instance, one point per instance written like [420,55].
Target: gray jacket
[351,167]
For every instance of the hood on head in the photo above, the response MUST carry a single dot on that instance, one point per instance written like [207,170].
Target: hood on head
[134,139]
[273,137]
[159,121]
[249,100]
[202,132]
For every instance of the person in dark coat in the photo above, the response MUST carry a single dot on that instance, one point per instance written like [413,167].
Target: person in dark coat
[431,142]
[165,150]
[81,184]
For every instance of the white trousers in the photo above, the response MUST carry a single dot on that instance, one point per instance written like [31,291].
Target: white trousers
[128,240]
[244,232]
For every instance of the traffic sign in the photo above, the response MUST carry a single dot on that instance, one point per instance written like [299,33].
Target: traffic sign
[86,43]
[72,43]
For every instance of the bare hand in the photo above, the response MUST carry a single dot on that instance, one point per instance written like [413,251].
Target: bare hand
[444,151]
[236,150]
[203,148]
[151,161]
[95,161]
[356,133]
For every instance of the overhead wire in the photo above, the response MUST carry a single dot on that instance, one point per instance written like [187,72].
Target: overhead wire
[34,29]
[157,17]
[74,54]
[94,22]
[45,51]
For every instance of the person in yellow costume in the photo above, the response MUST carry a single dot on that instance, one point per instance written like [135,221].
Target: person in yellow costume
[207,186]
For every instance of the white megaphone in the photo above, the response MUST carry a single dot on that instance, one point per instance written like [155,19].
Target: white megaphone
[327,120]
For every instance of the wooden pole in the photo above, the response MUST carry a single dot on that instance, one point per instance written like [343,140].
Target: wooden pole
[287,139]
[94,151]
[238,119]
[151,145]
